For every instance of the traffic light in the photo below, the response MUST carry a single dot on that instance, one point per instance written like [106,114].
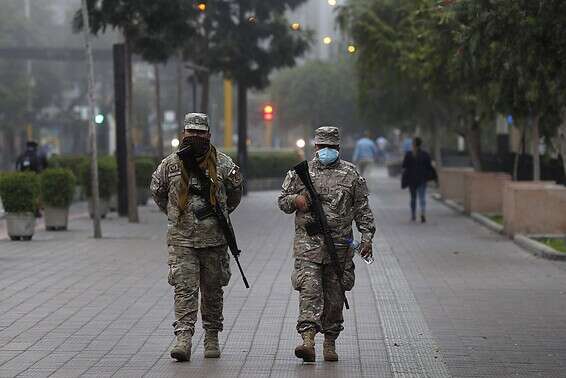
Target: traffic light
[268,113]
[99,119]
[201,6]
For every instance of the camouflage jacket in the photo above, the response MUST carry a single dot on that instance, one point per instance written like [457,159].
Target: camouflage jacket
[184,229]
[344,196]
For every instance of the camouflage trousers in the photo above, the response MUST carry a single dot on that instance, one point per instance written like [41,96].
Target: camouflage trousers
[194,269]
[321,300]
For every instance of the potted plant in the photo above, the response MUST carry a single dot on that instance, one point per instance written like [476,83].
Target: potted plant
[74,163]
[20,194]
[107,183]
[144,169]
[57,190]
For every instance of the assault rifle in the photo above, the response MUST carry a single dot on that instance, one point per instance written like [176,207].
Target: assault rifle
[190,163]
[302,170]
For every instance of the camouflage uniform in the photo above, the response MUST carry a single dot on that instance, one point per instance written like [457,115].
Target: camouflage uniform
[344,196]
[198,257]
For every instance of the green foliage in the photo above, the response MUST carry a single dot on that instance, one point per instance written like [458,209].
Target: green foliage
[317,93]
[19,191]
[145,167]
[57,187]
[107,177]
[269,163]
[73,163]
[405,60]
[249,49]
[155,29]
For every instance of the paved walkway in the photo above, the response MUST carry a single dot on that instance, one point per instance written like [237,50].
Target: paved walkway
[443,299]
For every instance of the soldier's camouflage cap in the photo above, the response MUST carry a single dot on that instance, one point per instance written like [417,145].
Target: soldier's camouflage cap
[196,121]
[327,135]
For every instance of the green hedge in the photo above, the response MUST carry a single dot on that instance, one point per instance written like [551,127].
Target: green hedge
[144,169]
[72,162]
[269,163]
[107,177]
[19,191]
[57,187]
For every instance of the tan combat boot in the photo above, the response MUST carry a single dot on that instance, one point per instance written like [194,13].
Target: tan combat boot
[329,348]
[211,348]
[306,349]
[182,349]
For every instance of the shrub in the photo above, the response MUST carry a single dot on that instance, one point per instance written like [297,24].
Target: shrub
[72,162]
[19,191]
[144,169]
[57,187]
[107,177]
[269,163]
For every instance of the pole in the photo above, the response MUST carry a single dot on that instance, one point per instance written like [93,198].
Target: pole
[243,132]
[91,126]
[133,216]
[120,110]
[158,112]
[180,115]
[228,113]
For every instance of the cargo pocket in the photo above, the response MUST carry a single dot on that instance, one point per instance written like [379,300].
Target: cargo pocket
[173,269]
[349,277]
[296,275]
[225,273]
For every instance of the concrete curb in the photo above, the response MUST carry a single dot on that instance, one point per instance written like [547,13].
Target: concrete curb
[538,249]
[450,203]
[486,222]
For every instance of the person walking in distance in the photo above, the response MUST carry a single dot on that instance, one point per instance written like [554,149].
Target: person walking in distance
[198,256]
[365,153]
[343,195]
[417,171]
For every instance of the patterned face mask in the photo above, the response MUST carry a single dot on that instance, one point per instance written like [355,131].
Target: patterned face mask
[327,155]
[198,145]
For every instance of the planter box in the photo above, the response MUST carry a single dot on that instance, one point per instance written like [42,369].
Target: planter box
[534,208]
[452,182]
[56,219]
[20,226]
[104,207]
[484,192]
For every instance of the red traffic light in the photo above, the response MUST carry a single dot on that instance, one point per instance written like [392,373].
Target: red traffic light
[268,113]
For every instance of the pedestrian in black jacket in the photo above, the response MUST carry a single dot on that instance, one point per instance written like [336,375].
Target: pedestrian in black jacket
[417,171]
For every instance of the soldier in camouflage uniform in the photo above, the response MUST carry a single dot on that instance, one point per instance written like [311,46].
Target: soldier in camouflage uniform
[198,257]
[344,196]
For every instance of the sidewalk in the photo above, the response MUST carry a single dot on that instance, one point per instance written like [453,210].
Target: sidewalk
[443,299]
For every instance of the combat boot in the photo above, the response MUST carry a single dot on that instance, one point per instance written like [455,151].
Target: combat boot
[329,348]
[211,348]
[182,349]
[306,349]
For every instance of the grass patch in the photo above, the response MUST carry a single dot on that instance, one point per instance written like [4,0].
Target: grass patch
[557,244]
[496,218]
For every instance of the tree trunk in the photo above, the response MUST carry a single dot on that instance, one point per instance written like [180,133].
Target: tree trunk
[473,140]
[92,127]
[133,216]
[536,147]
[158,115]
[519,153]
[562,143]
[205,94]
[437,129]
[243,132]
[180,81]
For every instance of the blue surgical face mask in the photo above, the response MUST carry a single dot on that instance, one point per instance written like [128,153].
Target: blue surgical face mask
[327,155]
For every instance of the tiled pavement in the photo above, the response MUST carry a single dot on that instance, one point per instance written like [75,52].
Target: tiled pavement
[443,299]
